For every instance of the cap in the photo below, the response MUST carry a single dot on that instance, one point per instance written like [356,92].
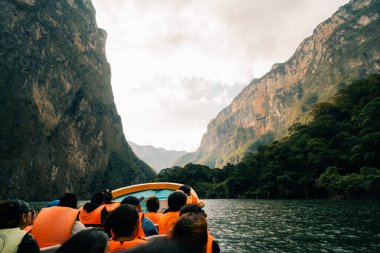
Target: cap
[132,200]
[22,205]
[53,203]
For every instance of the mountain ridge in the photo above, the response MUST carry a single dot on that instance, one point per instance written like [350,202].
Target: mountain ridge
[158,158]
[342,48]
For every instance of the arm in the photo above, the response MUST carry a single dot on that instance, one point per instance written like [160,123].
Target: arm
[148,227]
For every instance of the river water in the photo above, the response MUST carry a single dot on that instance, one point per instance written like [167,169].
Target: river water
[295,225]
[292,225]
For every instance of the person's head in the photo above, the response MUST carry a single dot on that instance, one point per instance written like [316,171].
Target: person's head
[88,240]
[107,195]
[10,214]
[192,209]
[191,230]
[123,221]
[186,189]
[176,201]
[132,200]
[161,245]
[27,213]
[97,198]
[68,200]
[152,204]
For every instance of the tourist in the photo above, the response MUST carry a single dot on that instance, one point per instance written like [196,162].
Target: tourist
[176,201]
[109,204]
[93,213]
[152,205]
[146,227]
[189,235]
[191,199]
[212,245]
[123,223]
[12,238]
[86,241]
[28,215]
[54,225]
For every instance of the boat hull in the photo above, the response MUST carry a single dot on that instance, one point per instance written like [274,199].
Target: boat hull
[161,190]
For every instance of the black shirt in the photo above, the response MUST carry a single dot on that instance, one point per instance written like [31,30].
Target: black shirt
[28,245]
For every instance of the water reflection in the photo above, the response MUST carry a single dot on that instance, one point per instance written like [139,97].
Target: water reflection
[295,226]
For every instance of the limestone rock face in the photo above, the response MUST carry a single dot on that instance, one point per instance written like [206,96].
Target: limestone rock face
[344,47]
[60,130]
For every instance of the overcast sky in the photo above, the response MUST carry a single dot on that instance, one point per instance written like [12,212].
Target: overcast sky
[177,63]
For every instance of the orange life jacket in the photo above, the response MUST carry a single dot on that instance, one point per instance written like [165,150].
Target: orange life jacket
[210,239]
[112,206]
[191,200]
[154,216]
[167,222]
[115,246]
[28,228]
[91,219]
[53,225]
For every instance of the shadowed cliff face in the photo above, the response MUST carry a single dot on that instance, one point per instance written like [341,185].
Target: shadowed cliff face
[342,48]
[59,130]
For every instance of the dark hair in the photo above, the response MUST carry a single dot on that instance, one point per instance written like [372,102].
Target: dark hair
[162,245]
[186,189]
[68,200]
[22,205]
[191,230]
[107,195]
[97,198]
[192,209]
[122,221]
[152,204]
[176,201]
[131,200]
[86,241]
[10,214]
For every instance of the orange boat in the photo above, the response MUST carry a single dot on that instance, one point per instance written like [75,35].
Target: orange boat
[161,190]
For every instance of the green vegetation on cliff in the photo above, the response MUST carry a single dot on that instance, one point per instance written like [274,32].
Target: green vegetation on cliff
[336,155]
[60,130]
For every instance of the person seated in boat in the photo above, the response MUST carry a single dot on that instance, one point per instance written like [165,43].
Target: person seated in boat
[176,201]
[153,204]
[12,238]
[212,244]
[28,215]
[123,223]
[146,226]
[109,204]
[190,198]
[54,225]
[89,240]
[93,213]
[189,235]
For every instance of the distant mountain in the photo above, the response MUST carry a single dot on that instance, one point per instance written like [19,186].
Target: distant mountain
[342,48]
[60,130]
[157,158]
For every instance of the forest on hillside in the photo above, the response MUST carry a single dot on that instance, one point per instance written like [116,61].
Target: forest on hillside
[336,155]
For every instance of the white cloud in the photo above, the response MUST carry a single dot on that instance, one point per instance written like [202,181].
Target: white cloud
[176,64]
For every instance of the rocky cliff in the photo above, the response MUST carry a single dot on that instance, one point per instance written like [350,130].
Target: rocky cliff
[157,158]
[60,131]
[344,47]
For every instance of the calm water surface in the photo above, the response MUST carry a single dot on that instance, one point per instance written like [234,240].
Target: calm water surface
[295,225]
